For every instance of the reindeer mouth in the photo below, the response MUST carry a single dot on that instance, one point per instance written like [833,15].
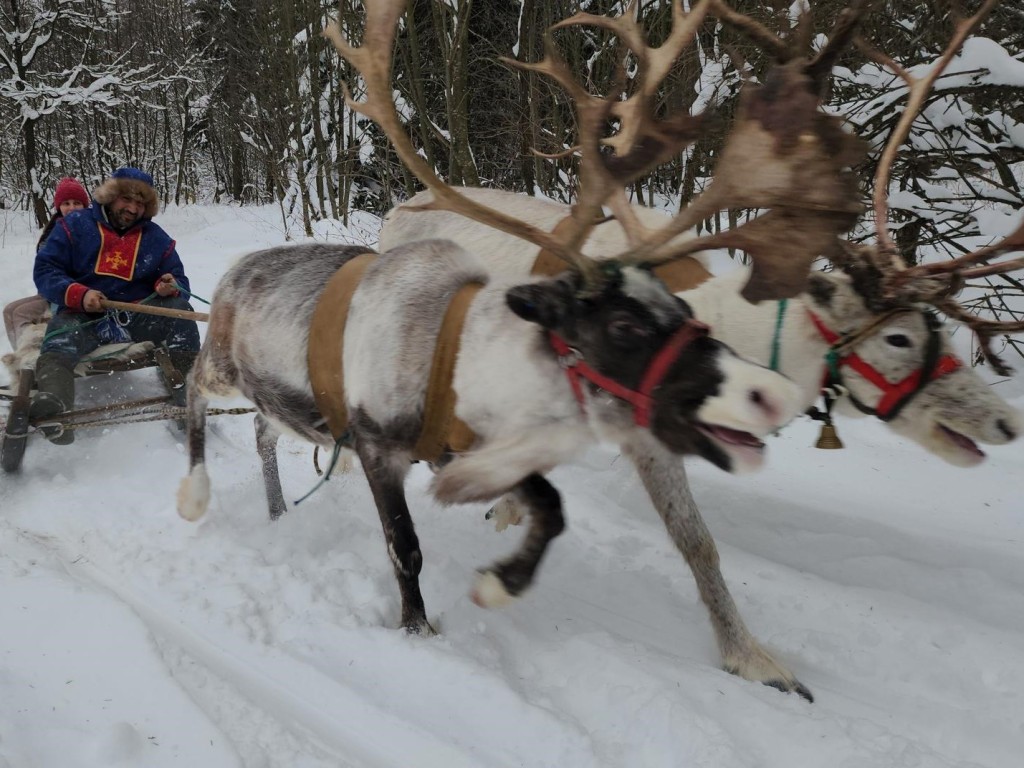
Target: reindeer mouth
[744,449]
[967,447]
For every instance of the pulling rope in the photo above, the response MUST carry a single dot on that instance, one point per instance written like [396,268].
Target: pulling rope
[165,414]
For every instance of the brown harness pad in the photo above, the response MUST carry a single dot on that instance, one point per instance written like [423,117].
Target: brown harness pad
[442,430]
[326,332]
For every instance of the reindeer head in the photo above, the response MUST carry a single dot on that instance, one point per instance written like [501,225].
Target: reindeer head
[895,358]
[639,357]
[897,362]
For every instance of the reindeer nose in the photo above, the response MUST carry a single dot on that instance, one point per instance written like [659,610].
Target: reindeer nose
[1007,429]
[764,403]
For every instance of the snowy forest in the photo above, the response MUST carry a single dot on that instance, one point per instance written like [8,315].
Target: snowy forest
[887,577]
[241,102]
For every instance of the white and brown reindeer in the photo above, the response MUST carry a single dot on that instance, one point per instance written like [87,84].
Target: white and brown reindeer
[891,357]
[544,368]
[510,383]
[612,319]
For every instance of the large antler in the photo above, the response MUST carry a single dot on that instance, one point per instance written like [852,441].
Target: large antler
[642,142]
[798,154]
[890,280]
[783,155]
[373,60]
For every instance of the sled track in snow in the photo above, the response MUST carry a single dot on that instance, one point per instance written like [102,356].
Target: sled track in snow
[340,722]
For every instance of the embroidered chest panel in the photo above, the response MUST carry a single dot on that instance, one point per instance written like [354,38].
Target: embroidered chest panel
[118,254]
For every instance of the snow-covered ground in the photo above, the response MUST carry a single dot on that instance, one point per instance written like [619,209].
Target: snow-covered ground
[891,583]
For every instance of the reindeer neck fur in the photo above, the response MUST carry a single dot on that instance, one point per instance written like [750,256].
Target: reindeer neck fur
[750,329]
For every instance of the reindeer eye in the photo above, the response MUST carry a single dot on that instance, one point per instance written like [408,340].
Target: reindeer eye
[897,340]
[627,329]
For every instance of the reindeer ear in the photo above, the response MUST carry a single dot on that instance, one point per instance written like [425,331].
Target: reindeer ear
[821,289]
[547,303]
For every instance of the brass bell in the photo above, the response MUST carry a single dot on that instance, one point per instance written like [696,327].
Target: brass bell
[828,438]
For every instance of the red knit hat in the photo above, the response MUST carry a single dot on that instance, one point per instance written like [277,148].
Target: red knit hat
[69,189]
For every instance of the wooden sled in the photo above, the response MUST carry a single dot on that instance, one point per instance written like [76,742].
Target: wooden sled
[104,360]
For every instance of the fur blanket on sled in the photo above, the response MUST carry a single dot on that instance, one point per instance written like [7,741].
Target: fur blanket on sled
[30,339]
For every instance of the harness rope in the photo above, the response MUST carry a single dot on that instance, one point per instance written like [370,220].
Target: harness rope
[165,414]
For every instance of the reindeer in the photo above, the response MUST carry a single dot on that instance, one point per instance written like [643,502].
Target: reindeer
[804,184]
[603,351]
[509,381]
[892,359]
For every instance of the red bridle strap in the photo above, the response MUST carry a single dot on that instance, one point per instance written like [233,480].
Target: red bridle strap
[892,392]
[641,399]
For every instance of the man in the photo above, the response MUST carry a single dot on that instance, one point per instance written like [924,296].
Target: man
[112,250]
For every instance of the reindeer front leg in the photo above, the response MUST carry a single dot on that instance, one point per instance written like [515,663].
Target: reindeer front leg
[386,471]
[511,577]
[664,477]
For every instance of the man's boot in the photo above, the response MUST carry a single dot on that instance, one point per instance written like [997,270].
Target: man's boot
[182,360]
[56,382]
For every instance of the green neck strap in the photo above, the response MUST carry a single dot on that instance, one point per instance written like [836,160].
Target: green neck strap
[774,365]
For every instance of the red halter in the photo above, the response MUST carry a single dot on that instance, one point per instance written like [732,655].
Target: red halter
[641,399]
[894,395]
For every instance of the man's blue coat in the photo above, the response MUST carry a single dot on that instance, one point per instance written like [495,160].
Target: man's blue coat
[84,252]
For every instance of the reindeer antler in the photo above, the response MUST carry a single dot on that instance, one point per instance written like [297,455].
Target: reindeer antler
[784,155]
[937,283]
[373,60]
[801,156]
[642,142]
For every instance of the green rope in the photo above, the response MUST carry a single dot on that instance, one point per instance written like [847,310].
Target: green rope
[189,293]
[832,361]
[335,455]
[68,328]
[778,334]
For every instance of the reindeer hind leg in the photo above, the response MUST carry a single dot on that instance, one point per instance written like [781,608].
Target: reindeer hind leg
[266,446]
[511,577]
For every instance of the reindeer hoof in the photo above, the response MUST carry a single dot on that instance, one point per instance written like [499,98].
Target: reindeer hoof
[490,592]
[795,686]
[420,628]
[781,679]
[194,494]
[504,513]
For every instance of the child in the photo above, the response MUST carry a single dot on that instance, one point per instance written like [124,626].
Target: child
[69,196]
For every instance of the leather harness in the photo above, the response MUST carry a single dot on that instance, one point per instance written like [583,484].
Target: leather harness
[442,431]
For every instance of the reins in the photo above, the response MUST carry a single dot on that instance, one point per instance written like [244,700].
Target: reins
[642,400]
[895,396]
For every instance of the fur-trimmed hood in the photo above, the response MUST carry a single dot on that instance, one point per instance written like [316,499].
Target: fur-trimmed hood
[130,182]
